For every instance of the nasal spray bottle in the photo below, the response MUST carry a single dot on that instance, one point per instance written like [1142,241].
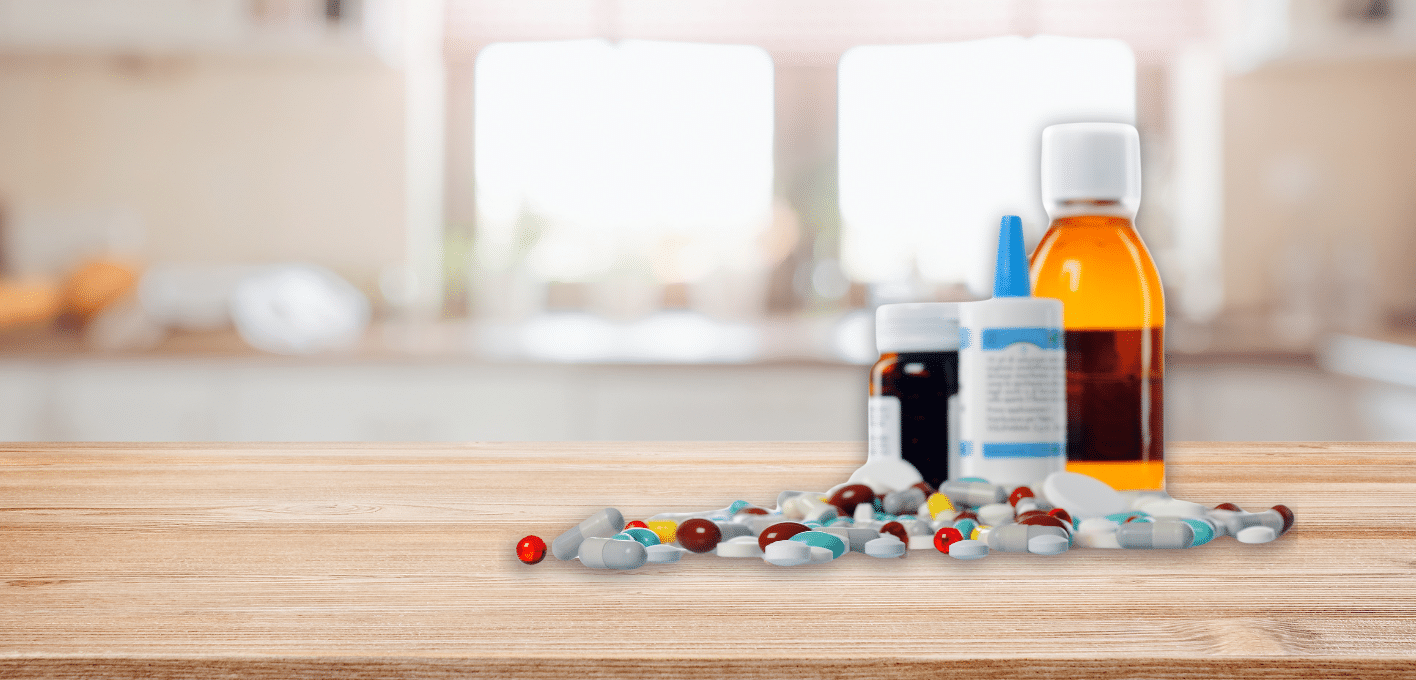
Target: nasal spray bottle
[1012,376]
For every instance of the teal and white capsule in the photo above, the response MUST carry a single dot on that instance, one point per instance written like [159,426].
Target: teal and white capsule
[643,536]
[1204,530]
[1166,534]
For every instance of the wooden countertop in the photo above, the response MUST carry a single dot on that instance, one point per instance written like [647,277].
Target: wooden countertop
[355,561]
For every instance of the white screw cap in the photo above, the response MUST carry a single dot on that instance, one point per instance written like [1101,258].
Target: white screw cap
[1087,163]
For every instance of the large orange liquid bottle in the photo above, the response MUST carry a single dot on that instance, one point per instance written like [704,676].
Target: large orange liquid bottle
[1113,310]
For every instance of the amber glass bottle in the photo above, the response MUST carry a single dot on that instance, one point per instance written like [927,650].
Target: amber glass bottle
[1092,259]
[912,409]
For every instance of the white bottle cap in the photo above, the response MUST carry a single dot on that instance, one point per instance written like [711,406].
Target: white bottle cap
[917,327]
[1091,168]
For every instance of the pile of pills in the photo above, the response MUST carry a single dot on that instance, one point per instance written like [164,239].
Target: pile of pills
[964,519]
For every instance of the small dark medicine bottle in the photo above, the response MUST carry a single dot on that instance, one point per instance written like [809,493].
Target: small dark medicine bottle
[914,387]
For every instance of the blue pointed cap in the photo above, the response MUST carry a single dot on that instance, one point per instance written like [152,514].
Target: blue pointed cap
[1010,279]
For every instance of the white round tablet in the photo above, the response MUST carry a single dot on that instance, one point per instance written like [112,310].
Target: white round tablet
[1082,496]
[1256,534]
[820,555]
[885,547]
[741,546]
[1047,544]
[664,554]
[968,549]
[995,514]
[787,553]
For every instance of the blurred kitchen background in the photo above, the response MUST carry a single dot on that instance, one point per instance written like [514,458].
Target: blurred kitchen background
[669,219]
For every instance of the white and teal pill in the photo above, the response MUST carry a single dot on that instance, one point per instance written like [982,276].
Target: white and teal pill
[1204,531]
[822,539]
[644,536]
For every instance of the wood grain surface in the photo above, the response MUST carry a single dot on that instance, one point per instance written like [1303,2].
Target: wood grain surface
[361,561]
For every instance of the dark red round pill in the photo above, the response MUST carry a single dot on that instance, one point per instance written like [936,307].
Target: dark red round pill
[897,530]
[848,497]
[1046,521]
[1287,516]
[779,532]
[699,535]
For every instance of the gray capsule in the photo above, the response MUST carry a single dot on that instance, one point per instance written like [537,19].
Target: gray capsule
[854,537]
[608,553]
[1171,534]
[1015,537]
[904,501]
[602,524]
[973,494]
[732,530]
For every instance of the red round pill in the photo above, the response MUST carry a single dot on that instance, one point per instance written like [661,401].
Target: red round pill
[699,535]
[531,550]
[1019,494]
[779,532]
[967,514]
[897,530]
[1061,514]
[636,523]
[946,537]
[1229,506]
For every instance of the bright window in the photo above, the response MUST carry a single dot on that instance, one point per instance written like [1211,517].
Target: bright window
[937,142]
[593,157]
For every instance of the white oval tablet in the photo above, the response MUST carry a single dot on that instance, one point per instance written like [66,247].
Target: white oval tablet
[885,547]
[787,553]
[741,546]
[664,554]
[1047,544]
[995,514]
[968,549]
[1256,534]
